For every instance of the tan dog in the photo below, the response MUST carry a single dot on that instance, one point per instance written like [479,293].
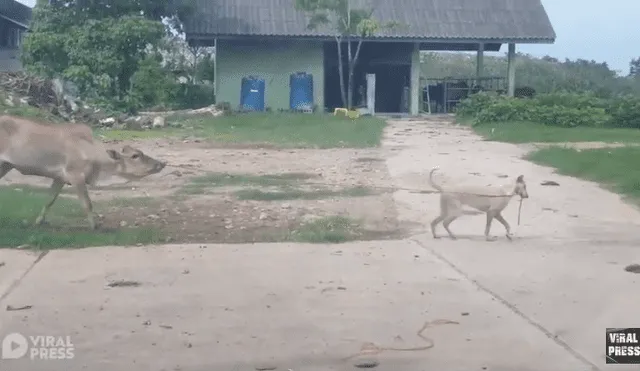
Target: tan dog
[488,200]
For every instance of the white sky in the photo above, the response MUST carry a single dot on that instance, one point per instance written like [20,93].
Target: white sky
[611,37]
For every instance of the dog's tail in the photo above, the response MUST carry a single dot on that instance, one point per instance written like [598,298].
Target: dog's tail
[431,182]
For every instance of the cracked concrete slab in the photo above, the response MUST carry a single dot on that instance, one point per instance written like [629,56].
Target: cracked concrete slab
[294,306]
[574,290]
[565,268]
[13,265]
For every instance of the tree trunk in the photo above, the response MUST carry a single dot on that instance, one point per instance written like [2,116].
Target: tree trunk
[341,71]
[195,51]
[350,76]
[352,66]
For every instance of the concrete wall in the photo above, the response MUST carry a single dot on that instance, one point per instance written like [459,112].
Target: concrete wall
[10,60]
[272,61]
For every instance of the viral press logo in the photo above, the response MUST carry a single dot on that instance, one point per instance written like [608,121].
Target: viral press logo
[16,346]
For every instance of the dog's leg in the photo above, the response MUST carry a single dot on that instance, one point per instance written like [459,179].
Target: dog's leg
[506,225]
[434,223]
[441,217]
[487,229]
[448,220]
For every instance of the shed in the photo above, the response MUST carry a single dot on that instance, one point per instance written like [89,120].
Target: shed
[270,39]
[14,21]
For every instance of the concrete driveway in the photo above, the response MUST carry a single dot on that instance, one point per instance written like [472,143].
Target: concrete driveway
[541,302]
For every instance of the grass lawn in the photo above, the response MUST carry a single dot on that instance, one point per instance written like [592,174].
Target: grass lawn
[521,132]
[285,184]
[615,168]
[67,226]
[280,129]
[298,194]
[332,229]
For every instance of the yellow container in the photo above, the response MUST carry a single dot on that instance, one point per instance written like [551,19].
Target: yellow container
[346,113]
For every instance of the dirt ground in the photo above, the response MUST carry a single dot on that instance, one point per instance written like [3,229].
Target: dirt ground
[215,214]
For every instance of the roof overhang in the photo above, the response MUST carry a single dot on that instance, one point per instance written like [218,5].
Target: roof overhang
[452,44]
[19,24]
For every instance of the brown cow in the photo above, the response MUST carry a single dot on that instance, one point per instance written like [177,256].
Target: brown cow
[67,154]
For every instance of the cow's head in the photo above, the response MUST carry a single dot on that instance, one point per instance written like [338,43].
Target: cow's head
[134,164]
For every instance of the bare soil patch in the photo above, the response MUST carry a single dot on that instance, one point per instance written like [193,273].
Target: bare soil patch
[211,193]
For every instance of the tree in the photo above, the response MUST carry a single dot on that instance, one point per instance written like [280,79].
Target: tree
[348,24]
[98,45]
[194,62]
[634,68]
[173,11]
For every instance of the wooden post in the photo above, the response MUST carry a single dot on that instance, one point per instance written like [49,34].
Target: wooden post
[480,61]
[414,92]
[371,93]
[511,70]
[215,69]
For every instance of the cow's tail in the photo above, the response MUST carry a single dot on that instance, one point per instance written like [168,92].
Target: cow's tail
[431,182]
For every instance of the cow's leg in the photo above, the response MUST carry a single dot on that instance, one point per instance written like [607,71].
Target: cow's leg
[83,196]
[56,188]
[5,167]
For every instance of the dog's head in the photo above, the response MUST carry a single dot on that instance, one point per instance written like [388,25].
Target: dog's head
[521,187]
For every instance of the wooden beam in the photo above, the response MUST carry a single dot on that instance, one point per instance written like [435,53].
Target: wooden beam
[215,71]
[511,70]
[480,61]
[414,88]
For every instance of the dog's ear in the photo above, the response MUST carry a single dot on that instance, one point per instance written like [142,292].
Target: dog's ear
[520,179]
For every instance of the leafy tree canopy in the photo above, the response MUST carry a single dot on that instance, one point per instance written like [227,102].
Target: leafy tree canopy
[99,45]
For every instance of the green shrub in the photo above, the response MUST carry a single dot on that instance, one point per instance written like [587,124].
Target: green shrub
[505,109]
[471,106]
[572,100]
[568,116]
[190,96]
[151,85]
[625,112]
[554,109]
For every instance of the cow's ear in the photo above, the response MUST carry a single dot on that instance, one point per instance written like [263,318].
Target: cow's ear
[113,154]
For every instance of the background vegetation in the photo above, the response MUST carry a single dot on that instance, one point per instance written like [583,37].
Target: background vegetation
[576,101]
[123,55]
[545,75]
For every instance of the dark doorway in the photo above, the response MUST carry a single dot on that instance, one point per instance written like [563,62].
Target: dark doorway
[390,62]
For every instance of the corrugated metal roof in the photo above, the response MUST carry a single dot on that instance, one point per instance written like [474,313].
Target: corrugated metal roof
[16,12]
[517,20]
